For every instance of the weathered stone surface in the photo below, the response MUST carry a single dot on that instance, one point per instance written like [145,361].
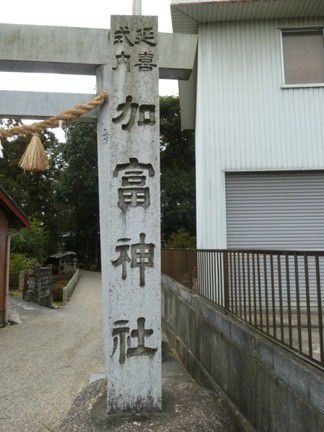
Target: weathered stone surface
[30,48]
[186,407]
[129,178]
[13,317]
[39,286]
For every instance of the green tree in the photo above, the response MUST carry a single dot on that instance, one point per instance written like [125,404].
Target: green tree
[31,242]
[35,193]
[181,239]
[78,192]
[18,263]
[65,198]
[178,198]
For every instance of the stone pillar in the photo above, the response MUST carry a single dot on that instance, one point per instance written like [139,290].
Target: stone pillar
[129,182]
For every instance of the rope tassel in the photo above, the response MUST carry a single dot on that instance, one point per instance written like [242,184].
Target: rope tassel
[35,157]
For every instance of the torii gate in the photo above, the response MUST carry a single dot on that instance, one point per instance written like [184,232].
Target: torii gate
[127,61]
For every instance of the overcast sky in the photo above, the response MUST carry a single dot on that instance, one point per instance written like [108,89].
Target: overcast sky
[75,13]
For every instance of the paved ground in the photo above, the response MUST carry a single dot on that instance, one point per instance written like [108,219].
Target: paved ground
[186,407]
[47,360]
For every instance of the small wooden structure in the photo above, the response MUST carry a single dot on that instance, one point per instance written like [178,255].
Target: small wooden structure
[11,219]
[63,263]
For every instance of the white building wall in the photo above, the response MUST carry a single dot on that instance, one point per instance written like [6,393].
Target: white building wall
[246,121]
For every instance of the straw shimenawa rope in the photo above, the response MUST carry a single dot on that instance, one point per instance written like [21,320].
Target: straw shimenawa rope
[35,158]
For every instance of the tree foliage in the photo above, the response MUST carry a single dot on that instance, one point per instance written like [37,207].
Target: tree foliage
[178,199]
[64,200]
[18,263]
[36,193]
[78,192]
[31,242]
[181,239]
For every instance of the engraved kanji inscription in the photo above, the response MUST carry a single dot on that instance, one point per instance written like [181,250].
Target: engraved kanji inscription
[105,137]
[141,333]
[123,35]
[122,338]
[123,258]
[145,35]
[119,334]
[146,115]
[129,111]
[135,37]
[122,59]
[145,62]
[142,256]
[133,192]
[129,108]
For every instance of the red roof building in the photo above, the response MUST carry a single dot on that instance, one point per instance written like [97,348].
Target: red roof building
[12,218]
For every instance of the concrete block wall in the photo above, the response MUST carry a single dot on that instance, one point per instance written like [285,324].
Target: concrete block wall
[271,387]
[69,288]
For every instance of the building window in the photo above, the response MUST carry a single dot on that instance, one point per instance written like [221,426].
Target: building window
[303,55]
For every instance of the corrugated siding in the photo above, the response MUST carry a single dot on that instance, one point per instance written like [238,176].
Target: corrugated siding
[245,120]
[275,211]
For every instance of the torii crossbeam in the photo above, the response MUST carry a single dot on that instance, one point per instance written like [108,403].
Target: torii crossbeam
[127,61]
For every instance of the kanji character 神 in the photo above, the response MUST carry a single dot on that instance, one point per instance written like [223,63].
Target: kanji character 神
[142,256]
[123,258]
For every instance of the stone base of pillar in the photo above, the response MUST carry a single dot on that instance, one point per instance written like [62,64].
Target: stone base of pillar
[186,407]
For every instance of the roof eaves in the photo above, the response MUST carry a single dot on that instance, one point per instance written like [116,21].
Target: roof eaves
[182,22]
[9,204]
[206,11]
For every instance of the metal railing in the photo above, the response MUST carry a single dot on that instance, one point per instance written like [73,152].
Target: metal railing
[277,292]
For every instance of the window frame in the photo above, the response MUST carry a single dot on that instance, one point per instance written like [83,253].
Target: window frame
[296,30]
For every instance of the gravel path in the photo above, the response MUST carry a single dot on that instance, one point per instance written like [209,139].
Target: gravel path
[49,358]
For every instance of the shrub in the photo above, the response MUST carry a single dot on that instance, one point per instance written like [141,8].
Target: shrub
[30,242]
[19,262]
[181,239]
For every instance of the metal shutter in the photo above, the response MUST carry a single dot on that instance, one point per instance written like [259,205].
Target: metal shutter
[275,210]
[278,211]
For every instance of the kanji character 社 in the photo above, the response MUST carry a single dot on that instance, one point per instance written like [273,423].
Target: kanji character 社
[120,335]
